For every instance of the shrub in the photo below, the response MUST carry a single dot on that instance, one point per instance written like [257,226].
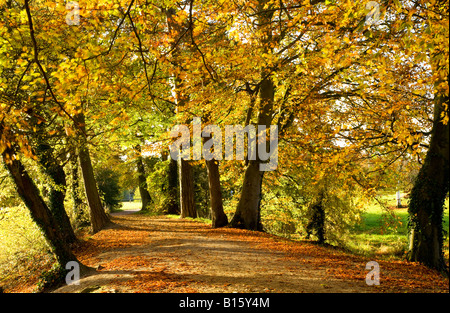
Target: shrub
[108,185]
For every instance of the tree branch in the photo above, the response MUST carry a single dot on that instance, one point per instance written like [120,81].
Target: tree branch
[114,35]
[41,69]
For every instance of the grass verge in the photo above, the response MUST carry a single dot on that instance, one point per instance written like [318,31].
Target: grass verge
[383,230]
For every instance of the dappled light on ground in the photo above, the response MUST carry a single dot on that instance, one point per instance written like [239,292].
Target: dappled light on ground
[158,254]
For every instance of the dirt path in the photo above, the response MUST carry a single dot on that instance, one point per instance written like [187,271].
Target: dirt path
[157,254]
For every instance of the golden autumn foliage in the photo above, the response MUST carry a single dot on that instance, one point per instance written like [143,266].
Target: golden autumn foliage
[353,91]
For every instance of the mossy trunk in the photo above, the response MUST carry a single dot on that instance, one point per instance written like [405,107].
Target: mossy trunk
[57,192]
[428,195]
[75,188]
[39,211]
[316,223]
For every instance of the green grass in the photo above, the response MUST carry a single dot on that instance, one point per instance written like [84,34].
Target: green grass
[126,205]
[384,231]
[134,205]
[22,245]
[197,219]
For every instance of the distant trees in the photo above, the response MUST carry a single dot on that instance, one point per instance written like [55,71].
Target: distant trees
[108,185]
[142,179]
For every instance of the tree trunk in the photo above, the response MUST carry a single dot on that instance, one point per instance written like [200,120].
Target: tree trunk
[143,187]
[185,176]
[57,192]
[74,189]
[248,214]
[248,210]
[218,216]
[173,206]
[98,217]
[186,190]
[399,199]
[39,210]
[316,223]
[428,195]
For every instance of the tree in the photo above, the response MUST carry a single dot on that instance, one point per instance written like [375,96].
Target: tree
[39,210]
[108,185]
[17,119]
[75,190]
[98,216]
[428,194]
[142,177]
[218,217]
[173,206]
[187,203]
[57,189]
[247,214]
[432,183]
[316,223]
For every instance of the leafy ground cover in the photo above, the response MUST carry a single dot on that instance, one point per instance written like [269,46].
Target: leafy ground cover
[140,253]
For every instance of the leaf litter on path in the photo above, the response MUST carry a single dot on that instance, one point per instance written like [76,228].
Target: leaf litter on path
[159,254]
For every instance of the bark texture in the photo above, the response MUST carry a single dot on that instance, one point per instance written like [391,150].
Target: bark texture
[57,191]
[98,216]
[173,206]
[74,189]
[39,210]
[186,190]
[218,216]
[185,175]
[428,195]
[248,214]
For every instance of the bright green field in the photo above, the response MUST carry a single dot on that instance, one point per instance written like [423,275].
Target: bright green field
[135,205]
[383,231]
